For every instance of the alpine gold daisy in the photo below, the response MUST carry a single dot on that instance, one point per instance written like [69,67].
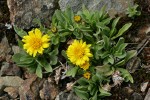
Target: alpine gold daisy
[77,18]
[35,42]
[87,75]
[79,52]
[85,66]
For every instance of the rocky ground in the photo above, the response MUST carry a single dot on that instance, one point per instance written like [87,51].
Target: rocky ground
[16,83]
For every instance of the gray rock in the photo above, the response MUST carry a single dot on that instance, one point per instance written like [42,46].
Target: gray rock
[22,12]
[5,97]
[12,92]
[16,49]
[29,89]
[67,96]
[10,69]
[136,96]
[52,88]
[127,91]
[113,6]
[13,81]
[4,48]
[147,97]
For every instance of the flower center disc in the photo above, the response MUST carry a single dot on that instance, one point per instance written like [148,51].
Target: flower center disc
[36,43]
[79,52]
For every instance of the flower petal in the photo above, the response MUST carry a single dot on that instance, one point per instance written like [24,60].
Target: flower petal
[38,33]
[45,38]
[40,50]
[45,45]
[34,53]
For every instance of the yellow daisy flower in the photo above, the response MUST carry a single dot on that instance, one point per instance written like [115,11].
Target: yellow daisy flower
[77,18]
[35,43]
[87,75]
[85,66]
[79,52]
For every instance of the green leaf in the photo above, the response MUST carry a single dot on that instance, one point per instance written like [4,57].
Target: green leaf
[45,64]
[65,32]
[88,37]
[82,81]
[69,13]
[32,69]
[79,35]
[130,54]
[55,39]
[90,86]
[63,39]
[63,53]
[39,71]
[85,29]
[122,47]
[53,60]
[20,43]
[114,23]
[94,90]
[83,88]
[23,60]
[102,26]
[120,41]
[82,94]
[26,59]
[20,31]
[106,42]
[106,21]
[120,63]
[85,12]
[126,75]
[122,30]
[72,72]
[104,93]
[104,54]
[59,16]
[105,70]
[120,55]
[94,97]
[48,67]
[54,20]
[37,21]
[54,52]
[16,57]
[66,19]
[102,11]
[111,59]
[95,78]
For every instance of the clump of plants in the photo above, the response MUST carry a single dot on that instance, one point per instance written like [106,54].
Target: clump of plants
[88,43]
[132,11]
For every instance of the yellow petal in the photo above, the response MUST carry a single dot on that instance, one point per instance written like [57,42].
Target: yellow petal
[31,33]
[40,50]
[34,53]
[45,38]
[25,38]
[45,45]
[30,53]
[25,46]
[38,33]
[85,58]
